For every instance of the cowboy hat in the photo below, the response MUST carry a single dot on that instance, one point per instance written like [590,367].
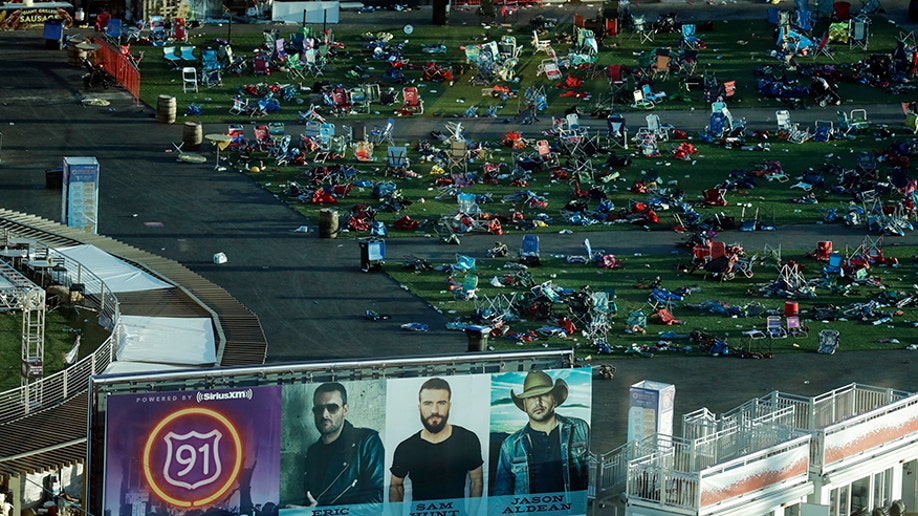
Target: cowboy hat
[538,383]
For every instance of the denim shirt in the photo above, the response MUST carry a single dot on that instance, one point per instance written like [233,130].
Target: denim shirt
[516,450]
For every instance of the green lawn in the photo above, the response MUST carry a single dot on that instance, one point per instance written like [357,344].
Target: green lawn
[60,326]
[735,50]
[741,292]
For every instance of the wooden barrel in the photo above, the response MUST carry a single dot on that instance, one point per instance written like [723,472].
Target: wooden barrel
[75,56]
[165,109]
[328,223]
[192,136]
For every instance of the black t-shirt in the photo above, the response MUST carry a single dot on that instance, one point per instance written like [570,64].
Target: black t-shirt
[437,471]
[545,465]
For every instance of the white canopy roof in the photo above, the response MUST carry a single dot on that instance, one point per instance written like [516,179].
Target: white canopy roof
[166,340]
[118,367]
[118,275]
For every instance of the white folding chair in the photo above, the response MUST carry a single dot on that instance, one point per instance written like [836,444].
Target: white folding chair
[189,79]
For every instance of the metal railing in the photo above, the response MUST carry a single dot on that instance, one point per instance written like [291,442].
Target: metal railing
[53,389]
[888,420]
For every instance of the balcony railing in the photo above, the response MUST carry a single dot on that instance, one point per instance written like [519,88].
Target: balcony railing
[53,389]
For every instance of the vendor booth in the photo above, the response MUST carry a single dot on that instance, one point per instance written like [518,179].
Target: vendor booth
[308,12]
[30,15]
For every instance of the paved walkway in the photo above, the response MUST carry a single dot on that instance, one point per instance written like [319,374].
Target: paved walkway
[308,292]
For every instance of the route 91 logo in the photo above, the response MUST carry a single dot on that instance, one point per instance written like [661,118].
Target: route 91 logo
[192,457]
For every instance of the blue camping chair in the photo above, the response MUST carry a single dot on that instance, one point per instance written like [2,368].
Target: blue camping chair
[529,254]
[114,30]
[834,266]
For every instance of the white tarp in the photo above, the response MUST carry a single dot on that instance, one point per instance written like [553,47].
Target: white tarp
[316,12]
[166,340]
[117,275]
[117,367]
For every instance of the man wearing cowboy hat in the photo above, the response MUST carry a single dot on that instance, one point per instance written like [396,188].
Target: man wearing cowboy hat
[550,453]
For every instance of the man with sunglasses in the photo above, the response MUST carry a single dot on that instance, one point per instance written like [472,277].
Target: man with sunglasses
[345,465]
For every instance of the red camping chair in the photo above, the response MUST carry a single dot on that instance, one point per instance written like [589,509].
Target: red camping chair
[178,30]
[611,26]
[102,21]
[823,250]
[842,11]
[664,316]
[718,249]
[715,197]
[411,101]
[342,99]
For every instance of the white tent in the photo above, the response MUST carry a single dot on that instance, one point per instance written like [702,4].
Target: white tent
[118,275]
[118,367]
[166,340]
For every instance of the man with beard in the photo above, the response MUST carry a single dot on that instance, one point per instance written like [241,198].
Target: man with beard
[439,458]
[345,465]
[548,455]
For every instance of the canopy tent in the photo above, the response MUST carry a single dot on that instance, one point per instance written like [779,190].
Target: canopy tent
[166,340]
[117,275]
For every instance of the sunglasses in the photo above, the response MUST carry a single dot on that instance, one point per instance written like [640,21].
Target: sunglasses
[332,408]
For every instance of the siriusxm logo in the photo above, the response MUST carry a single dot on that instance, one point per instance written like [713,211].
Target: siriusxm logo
[229,395]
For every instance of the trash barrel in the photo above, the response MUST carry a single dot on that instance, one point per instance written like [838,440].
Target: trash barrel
[75,56]
[192,136]
[165,109]
[791,309]
[54,34]
[478,337]
[372,253]
[328,223]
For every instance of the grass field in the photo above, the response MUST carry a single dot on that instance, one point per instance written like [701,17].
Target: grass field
[735,50]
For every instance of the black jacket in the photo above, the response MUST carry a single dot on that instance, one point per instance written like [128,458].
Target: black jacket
[354,478]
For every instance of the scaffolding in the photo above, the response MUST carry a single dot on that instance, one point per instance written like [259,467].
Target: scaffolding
[21,294]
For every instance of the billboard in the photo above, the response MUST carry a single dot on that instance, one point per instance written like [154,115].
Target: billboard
[472,445]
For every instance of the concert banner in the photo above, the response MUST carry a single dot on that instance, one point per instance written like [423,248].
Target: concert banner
[192,452]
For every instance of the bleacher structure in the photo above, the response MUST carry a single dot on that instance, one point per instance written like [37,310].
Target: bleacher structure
[851,450]
[168,9]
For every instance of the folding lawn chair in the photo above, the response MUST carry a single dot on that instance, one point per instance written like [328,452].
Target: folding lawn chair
[396,159]
[616,131]
[189,79]
[315,64]
[774,327]
[640,102]
[859,32]
[172,57]
[795,328]
[661,66]
[551,69]
[689,38]
[828,342]
[458,156]
[411,101]
[654,126]
[529,254]
[823,49]
[636,322]
[114,31]
[823,131]
[782,117]
[186,55]
[858,119]
[642,29]
[541,45]
[383,134]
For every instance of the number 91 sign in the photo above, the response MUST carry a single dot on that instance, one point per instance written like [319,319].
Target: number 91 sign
[192,457]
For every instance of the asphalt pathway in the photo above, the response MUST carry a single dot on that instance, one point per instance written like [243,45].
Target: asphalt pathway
[309,292]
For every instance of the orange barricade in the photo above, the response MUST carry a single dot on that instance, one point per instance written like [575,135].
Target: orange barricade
[119,66]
